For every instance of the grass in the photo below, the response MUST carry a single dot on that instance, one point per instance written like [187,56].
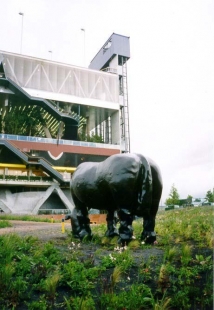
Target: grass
[4,224]
[175,273]
[10,217]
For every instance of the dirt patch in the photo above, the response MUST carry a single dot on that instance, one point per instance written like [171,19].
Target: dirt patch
[41,230]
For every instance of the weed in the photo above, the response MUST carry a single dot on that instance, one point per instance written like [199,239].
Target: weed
[161,304]
[163,278]
[136,297]
[6,273]
[50,285]
[80,303]
[186,255]
[41,304]
[116,276]
[171,254]
[79,278]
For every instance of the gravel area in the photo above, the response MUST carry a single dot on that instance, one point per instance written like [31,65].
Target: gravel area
[42,230]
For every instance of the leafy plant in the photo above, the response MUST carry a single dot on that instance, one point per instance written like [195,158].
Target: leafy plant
[78,278]
[116,276]
[186,255]
[50,285]
[171,254]
[80,303]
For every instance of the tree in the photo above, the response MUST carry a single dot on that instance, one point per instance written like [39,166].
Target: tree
[189,199]
[173,198]
[93,138]
[210,196]
[25,122]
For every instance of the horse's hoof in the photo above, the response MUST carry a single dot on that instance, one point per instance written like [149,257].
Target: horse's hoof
[111,234]
[84,234]
[123,242]
[76,236]
[149,237]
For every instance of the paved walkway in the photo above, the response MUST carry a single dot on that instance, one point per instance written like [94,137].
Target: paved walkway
[41,230]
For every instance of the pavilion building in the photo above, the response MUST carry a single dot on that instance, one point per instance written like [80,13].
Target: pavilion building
[54,116]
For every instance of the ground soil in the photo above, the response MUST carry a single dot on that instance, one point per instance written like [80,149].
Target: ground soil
[46,231]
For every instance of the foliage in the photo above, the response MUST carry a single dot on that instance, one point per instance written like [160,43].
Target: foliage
[175,273]
[210,196]
[91,138]
[173,197]
[189,199]
[21,121]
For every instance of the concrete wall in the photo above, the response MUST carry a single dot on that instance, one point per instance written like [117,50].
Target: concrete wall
[115,128]
[32,202]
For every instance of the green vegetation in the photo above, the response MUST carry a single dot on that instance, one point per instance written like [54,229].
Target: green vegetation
[90,138]
[175,273]
[173,197]
[10,217]
[22,121]
[4,224]
[210,196]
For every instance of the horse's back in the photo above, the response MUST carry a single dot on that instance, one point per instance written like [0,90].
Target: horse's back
[117,182]
[118,168]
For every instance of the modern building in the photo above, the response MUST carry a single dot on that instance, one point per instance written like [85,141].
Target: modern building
[53,116]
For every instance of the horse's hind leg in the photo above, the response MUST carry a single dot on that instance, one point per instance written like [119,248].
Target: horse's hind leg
[148,234]
[111,225]
[125,229]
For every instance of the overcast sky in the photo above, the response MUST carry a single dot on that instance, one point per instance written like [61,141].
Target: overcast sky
[170,72]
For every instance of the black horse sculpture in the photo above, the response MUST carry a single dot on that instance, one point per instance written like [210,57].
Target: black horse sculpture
[130,184]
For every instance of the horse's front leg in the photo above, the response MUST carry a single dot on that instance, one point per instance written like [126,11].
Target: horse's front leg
[80,222]
[111,225]
[125,229]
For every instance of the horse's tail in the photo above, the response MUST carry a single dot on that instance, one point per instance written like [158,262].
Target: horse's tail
[157,186]
[144,185]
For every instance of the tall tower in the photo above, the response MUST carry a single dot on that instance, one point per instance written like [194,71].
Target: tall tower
[112,58]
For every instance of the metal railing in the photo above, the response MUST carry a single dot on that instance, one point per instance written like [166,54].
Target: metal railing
[53,211]
[26,178]
[58,141]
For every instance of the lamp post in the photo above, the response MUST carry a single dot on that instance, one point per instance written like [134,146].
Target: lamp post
[50,53]
[22,15]
[82,29]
